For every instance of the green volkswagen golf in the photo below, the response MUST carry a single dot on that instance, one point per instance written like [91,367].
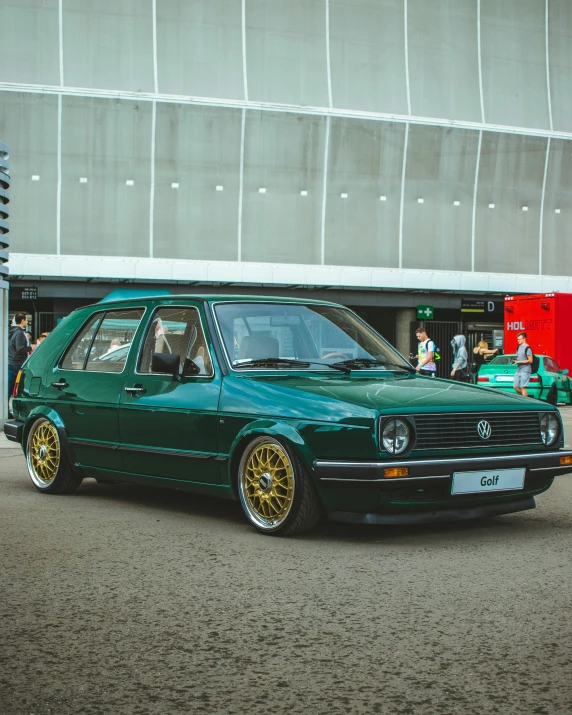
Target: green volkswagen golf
[295,408]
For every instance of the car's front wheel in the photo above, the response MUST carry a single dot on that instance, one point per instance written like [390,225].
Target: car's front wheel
[48,464]
[275,489]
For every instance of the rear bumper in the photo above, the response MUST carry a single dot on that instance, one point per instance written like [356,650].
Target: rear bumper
[362,473]
[14,429]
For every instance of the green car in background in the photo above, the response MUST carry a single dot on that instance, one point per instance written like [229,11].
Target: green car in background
[551,383]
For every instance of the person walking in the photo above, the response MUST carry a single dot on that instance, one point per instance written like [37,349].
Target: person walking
[18,349]
[425,354]
[524,363]
[460,358]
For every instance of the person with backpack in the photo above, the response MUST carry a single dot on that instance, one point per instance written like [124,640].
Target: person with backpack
[425,353]
[524,360]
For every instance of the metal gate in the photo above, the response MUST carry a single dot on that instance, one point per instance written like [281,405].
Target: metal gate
[441,332]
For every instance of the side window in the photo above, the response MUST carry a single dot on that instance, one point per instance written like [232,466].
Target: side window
[113,340]
[177,331]
[76,354]
[551,365]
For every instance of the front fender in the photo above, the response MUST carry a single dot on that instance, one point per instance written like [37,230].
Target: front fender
[283,431]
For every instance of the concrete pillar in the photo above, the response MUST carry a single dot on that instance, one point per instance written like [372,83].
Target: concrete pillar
[403,320]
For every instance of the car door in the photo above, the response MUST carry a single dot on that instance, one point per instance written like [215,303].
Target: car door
[557,376]
[167,423]
[84,388]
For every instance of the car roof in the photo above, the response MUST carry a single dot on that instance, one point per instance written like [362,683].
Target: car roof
[208,298]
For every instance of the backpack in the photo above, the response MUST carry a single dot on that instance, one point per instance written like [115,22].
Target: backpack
[436,351]
[535,363]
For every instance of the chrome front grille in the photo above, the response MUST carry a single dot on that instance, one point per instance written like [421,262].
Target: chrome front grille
[454,431]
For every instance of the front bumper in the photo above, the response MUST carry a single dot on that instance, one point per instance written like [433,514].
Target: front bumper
[363,473]
[435,515]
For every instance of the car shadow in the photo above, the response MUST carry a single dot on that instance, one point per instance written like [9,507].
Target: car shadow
[229,512]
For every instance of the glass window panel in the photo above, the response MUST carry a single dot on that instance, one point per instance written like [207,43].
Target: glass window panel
[283,154]
[113,340]
[560,51]
[557,227]
[443,59]
[177,331]
[441,164]
[29,126]
[108,143]
[511,172]
[514,62]
[367,51]
[286,51]
[29,51]
[199,47]
[198,149]
[76,354]
[108,44]
[365,163]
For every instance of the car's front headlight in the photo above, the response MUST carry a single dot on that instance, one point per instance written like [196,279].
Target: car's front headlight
[549,428]
[395,436]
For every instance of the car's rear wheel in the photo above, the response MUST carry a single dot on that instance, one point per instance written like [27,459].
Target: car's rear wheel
[275,490]
[48,464]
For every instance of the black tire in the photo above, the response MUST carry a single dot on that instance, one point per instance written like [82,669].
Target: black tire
[275,490]
[49,466]
[552,397]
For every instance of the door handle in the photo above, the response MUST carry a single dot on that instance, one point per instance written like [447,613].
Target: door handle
[135,390]
[60,385]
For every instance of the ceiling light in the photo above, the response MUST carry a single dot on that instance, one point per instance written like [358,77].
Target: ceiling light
[129,182]
[556,211]
[383,198]
[303,193]
[491,206]
[175,185]
[83,179]
[35,177]
[525,208]
[219,187]
[261,190]
[456,203]
[420,201]
[343,196]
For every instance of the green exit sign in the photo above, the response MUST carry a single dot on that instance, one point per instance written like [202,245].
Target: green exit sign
[424,312]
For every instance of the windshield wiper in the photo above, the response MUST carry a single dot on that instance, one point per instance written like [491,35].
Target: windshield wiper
[286,362]
[359,363]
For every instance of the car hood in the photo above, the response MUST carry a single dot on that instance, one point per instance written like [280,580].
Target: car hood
[332,397]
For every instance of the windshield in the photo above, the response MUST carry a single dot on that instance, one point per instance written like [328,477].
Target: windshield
[323,334]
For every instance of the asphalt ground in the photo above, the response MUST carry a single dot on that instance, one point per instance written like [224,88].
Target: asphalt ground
[122,599]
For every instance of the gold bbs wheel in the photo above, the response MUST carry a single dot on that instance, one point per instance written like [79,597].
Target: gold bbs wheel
[43,453]
[266,483]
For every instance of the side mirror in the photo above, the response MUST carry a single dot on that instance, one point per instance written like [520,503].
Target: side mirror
[190,368]
[166,363]
[565,371]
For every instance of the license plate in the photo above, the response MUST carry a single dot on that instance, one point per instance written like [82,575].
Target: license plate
[504,378]
[494,480]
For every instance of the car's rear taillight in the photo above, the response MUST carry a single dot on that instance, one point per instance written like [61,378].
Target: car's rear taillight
[19,381]
[484,378]
[534,378]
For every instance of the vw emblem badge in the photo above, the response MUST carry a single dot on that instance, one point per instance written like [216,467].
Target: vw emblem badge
[484,429]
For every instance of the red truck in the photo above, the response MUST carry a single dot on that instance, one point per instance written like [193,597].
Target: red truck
[546,318]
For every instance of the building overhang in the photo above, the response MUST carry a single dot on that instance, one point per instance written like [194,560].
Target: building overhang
[104,268]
